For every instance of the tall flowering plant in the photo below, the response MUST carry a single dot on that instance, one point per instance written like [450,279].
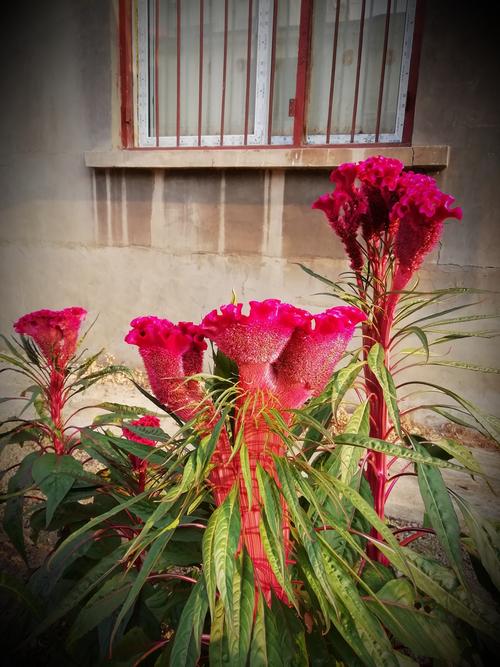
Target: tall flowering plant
[45,354]
[388,220]
[284,356]
[55,334]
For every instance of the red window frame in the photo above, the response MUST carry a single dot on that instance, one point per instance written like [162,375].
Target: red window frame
[302,81]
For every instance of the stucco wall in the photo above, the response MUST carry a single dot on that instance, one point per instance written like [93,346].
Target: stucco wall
[123,243]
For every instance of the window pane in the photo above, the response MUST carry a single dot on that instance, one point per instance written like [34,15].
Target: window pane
[345,60]
[212,66]
[287,43]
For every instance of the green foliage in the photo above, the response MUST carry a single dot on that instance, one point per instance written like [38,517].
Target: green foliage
[156,575]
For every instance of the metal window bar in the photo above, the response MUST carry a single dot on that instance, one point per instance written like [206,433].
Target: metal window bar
[332,72]
[178,73]
[358,70]
[272,75]
[248,72]
[224,73]
[157,72]
[382,70]
[147,44]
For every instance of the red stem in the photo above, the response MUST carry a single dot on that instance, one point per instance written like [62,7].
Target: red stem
[416,536]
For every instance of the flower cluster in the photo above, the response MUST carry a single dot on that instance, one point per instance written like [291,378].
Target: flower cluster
[54,331]
[375,203]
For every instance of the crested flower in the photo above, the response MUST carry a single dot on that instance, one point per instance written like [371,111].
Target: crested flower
[54,331]
[308,360]
[417,219]
[376,204]
[256,340]
[171,353]
[344,209]
[139,464]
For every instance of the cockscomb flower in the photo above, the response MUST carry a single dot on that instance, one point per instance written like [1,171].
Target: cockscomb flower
[139,464]
[381,173]
[417,219]
[308,360]
[344,209]
[171,353]
[402,212]
[256,340]
[54,331]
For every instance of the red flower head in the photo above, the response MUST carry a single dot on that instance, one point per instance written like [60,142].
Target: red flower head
[307,362]
[344,209]
[254,341]
[378,177]
[417,219]
[54,331]
[148,420]
[171,352]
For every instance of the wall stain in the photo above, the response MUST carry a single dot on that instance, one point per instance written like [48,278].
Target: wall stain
[101,198]
[138,197]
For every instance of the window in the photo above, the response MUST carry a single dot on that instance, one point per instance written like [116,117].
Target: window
[227,73]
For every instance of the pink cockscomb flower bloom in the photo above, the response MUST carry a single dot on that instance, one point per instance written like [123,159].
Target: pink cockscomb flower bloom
[256,340]
[307,362]
[148,420]
[344,209]
[376,204]
[171,353]
[417,219]
[54,331]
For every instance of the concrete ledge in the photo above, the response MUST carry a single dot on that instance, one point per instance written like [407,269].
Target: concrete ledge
[430,157]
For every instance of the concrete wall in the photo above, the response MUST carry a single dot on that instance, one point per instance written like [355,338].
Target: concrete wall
[175,243]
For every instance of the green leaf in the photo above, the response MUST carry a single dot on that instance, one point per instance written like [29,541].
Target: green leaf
[245,469]
[102,604]
[152,556]
[13,514]
[218,649]
[441,512]
[343,381]
[349,456]
[465,365]
[375,642]
[441,585]
[488,422]
[220,542]
[148,432]
[152,455]
[417,331]
[376,362]
[158,403]
[265,646]
[95,576]
[55,475]
[241,623]
[423,632]
[393,450]
[187,641]
[18,589]
[486,539]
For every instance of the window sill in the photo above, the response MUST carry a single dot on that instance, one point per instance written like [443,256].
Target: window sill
[429,157]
